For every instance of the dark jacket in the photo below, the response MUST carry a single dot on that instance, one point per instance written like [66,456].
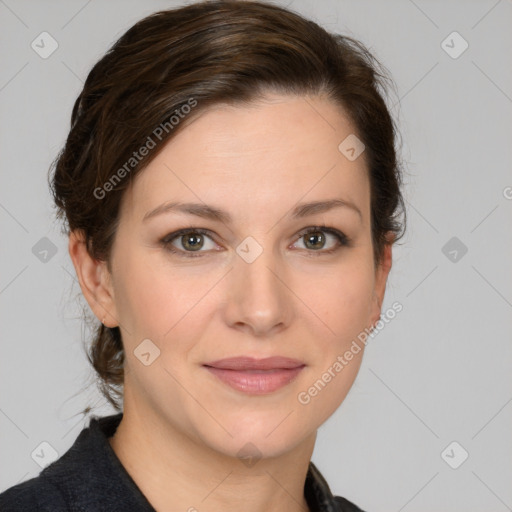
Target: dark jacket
[90,478]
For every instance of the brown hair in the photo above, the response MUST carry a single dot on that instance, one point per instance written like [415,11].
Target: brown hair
[186,59]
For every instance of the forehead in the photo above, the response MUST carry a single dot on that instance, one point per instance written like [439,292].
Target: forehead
[272,152]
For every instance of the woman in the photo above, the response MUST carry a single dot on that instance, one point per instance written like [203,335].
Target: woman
[231,193]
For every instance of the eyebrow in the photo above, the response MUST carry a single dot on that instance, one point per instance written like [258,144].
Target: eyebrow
[209,212]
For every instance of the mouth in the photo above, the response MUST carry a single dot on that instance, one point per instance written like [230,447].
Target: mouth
[256,376]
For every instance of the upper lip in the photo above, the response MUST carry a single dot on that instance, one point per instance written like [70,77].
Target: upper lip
[250,363]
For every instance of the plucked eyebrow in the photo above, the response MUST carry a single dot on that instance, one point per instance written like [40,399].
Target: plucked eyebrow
[209,212]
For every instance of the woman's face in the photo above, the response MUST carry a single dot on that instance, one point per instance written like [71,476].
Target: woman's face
[252,284]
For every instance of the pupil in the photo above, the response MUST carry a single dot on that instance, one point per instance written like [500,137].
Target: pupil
[190,244]
[312,237]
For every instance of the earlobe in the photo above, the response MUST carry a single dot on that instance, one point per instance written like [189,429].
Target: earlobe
[94,279]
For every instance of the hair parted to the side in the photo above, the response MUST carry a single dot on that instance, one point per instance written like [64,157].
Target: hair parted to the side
[206,53]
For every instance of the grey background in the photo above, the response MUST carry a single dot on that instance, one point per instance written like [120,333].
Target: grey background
[439,372]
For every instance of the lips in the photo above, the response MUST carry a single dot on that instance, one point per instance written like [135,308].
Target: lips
[256,376]
[249,363]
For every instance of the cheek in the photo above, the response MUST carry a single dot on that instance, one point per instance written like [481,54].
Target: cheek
[326,391]
[342,299]
[156,300]
[144,297]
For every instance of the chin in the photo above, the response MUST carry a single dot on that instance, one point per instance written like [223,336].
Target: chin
[258,435]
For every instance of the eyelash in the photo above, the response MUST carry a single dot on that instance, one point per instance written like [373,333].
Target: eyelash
[343,240]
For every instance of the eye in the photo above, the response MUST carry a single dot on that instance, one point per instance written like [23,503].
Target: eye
[188,242]
[191,240]
[316,237]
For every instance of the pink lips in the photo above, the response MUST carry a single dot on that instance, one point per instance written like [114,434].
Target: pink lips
[256,376]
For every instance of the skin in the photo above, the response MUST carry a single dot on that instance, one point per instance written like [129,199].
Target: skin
[182,427]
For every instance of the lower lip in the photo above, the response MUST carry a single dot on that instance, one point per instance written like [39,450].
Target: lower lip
[256,382]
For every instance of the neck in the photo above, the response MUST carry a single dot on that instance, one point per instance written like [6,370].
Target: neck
[177,472]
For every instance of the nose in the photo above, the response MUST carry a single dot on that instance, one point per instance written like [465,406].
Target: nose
[258,299]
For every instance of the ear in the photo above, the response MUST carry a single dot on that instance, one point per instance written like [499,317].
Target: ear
[95,280]
[381,277]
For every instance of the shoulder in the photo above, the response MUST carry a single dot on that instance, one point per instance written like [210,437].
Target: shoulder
[346,506]
[37,494]
[84,475]
[319,495]
[89,476]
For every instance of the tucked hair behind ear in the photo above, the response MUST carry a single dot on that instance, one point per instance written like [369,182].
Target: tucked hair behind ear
[209,52]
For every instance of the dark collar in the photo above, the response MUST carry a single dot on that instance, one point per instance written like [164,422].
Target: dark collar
[91,476]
